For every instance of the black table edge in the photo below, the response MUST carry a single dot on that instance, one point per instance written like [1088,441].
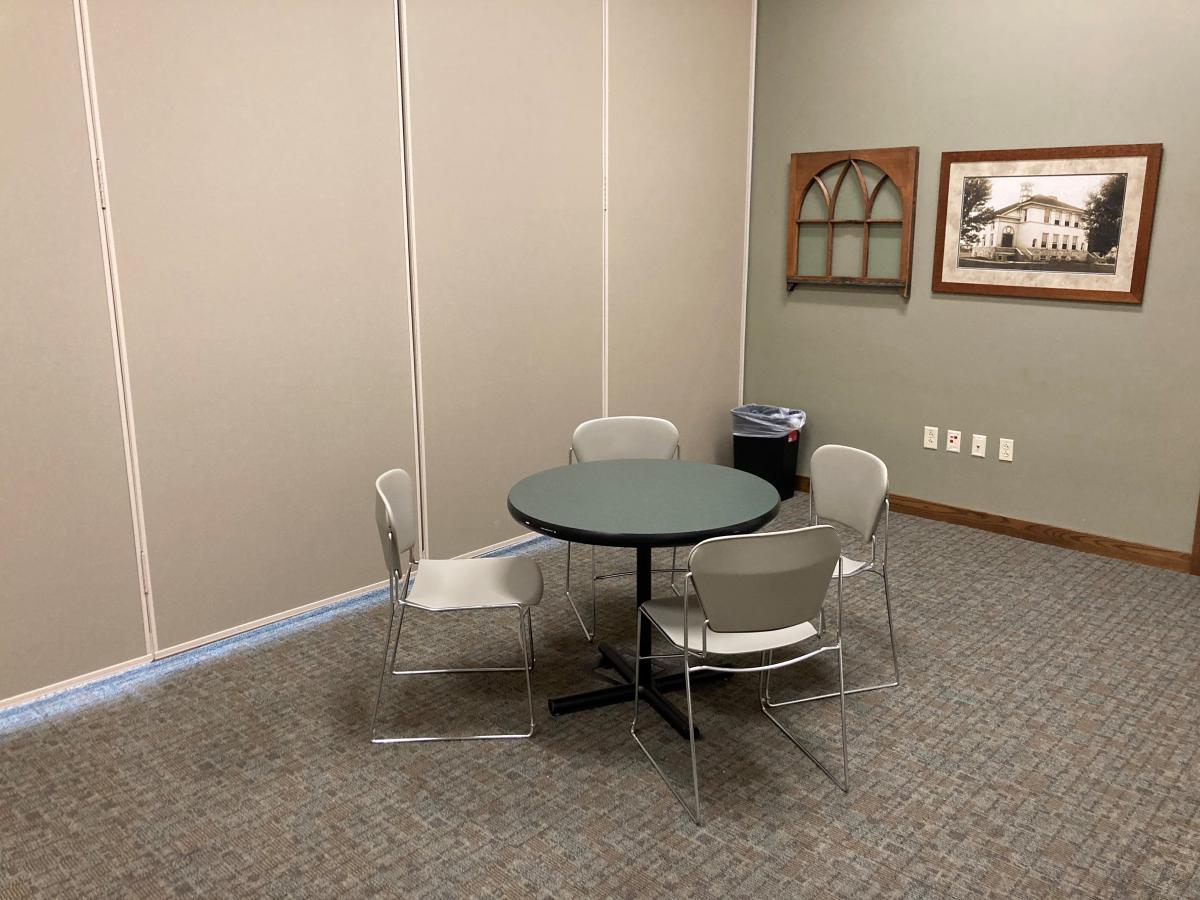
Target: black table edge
[620,539]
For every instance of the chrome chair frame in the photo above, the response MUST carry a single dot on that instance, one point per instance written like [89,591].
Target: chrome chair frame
[764,668]
[400,602]
[874,567]
[673,571]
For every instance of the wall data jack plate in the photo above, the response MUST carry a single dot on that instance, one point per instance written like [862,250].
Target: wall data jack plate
[979,445]
[953,441]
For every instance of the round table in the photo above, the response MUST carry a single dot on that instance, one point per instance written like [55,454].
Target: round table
[640,503]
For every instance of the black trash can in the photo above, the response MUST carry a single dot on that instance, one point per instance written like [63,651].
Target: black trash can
[765,442]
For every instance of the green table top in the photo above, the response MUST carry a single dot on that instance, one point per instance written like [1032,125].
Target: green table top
[642,502]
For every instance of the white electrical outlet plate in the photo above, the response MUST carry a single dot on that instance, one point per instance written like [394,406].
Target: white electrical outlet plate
[953,441]
[931,437]
[979,445]
[1006,449]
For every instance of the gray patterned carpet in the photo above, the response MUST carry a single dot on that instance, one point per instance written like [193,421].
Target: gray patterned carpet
[1045,742]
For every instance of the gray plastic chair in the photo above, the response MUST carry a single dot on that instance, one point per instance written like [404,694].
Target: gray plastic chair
[619,437]
[444,585]
[850,487]
[754,594]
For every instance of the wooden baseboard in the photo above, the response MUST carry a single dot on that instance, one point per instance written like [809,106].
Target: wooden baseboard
[1196,542]
[1175,560]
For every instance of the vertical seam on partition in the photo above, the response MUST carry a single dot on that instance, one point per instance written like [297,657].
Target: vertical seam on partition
[604,211]
[410,244]
[749,181]
[116,321]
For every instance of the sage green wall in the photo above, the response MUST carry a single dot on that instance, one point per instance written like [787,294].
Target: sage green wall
[1101,401]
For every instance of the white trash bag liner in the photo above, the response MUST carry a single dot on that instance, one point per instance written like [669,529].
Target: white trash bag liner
[757,420]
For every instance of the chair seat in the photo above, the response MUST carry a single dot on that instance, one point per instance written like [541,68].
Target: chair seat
[462,583]
[668,614]
[851,567]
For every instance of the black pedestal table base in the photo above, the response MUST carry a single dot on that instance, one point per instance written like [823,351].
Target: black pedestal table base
[651,688]
[652,691]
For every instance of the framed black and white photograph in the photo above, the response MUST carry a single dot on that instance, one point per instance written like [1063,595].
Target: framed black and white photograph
[1066,223]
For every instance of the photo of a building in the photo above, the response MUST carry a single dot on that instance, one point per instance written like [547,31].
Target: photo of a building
[1036,223]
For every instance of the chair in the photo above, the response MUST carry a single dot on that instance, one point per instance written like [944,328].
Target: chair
[850,487]
[619,437]
[447,585]
[755,594]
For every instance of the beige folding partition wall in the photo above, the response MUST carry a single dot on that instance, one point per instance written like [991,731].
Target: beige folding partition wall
[256,188]
[70,602]
[679,105]
[253,155]
[505,102]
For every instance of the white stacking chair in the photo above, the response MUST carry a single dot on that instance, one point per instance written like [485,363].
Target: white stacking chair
[447,585]
[850,487]
[619,437]
[754,594]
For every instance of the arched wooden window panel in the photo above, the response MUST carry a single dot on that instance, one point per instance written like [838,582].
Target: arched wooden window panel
[850,218]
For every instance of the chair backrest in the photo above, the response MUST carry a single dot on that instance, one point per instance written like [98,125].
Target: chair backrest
[761,582]
[625,437]
[395,514]
[848,486]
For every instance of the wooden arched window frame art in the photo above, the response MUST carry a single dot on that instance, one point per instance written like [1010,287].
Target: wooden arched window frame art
[826,175]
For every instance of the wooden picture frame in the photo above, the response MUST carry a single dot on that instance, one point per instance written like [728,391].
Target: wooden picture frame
[833,226]
[1004,230]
